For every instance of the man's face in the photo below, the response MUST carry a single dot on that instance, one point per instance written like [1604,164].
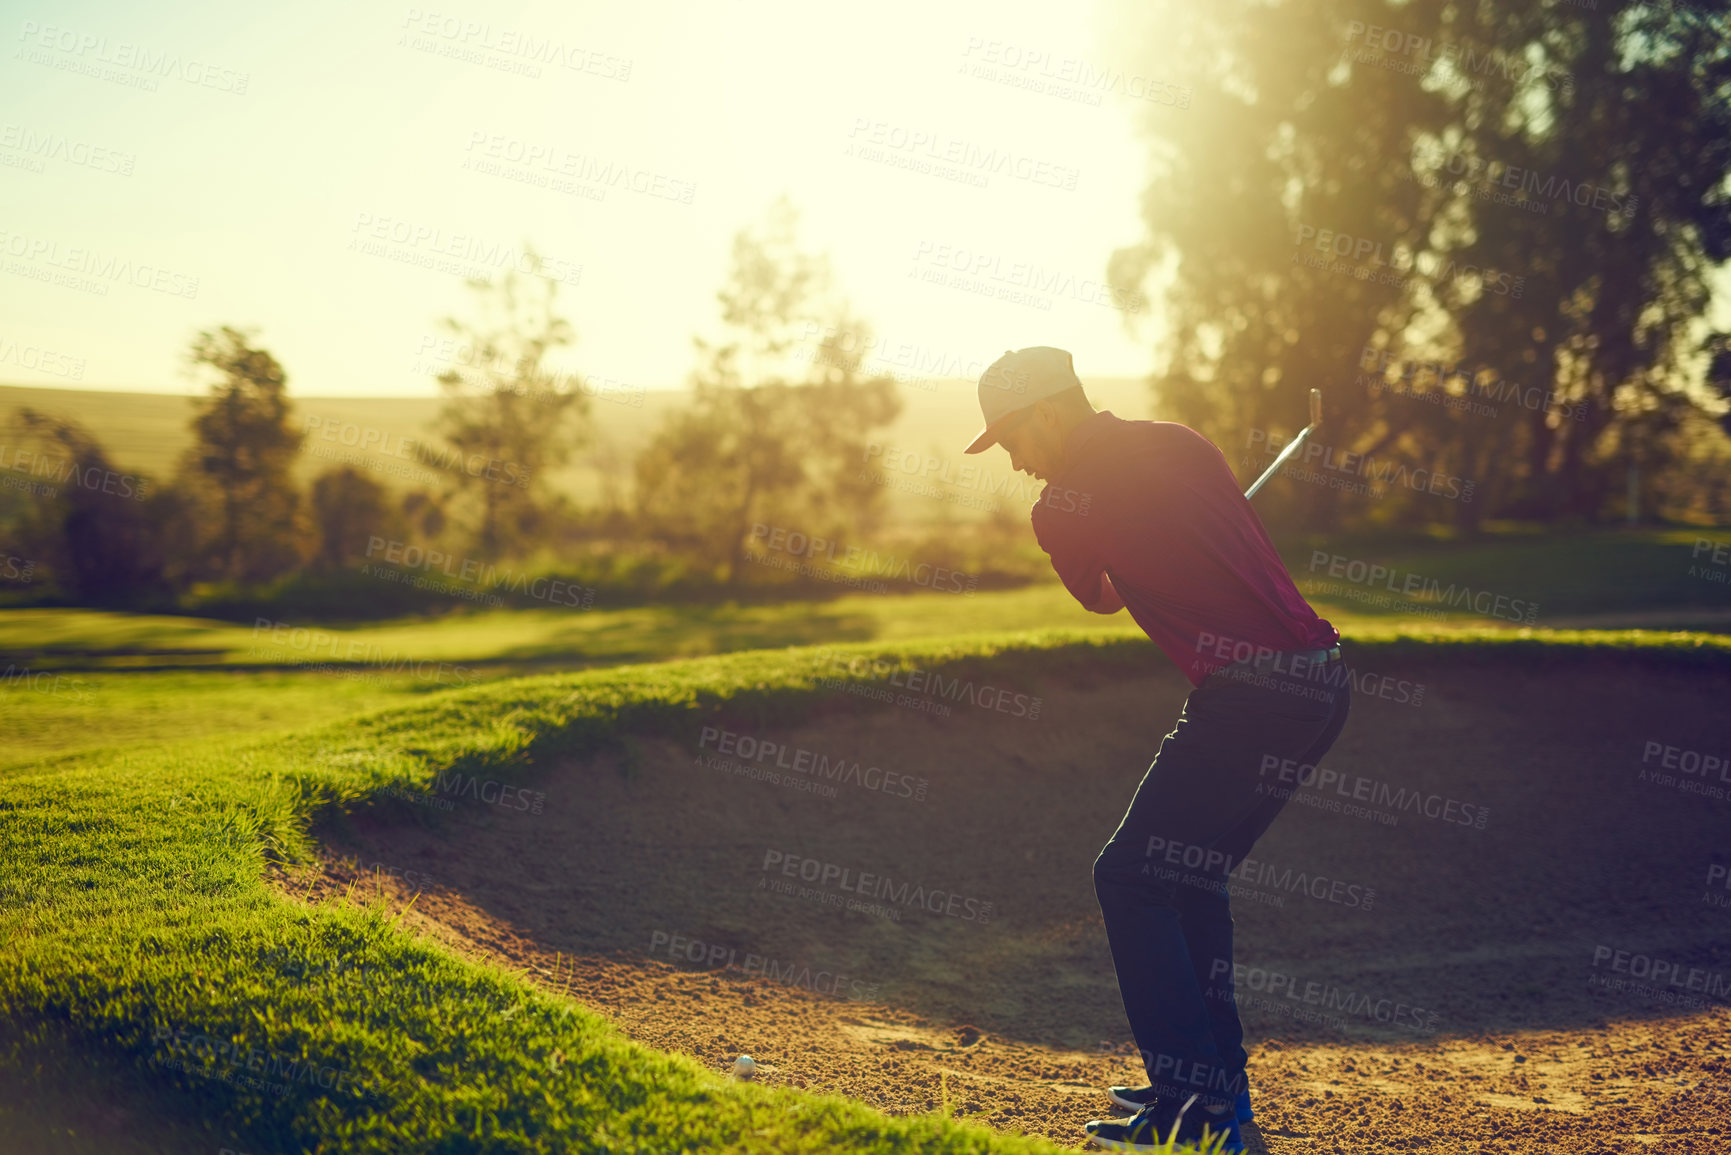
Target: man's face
[1035,441]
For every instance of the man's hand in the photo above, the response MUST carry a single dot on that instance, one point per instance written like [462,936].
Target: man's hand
[1109,602]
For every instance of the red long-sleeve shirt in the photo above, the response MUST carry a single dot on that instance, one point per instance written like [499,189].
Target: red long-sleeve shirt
[1154,505]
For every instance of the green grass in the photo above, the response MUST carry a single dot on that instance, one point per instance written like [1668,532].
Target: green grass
[1598,573]
[85,714]
[135,911]
[137,926]
[119,680]
[68,639]
[130,679]
[156,764]
[1566,573]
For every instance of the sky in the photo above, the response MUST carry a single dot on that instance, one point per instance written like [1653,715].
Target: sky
[329,173]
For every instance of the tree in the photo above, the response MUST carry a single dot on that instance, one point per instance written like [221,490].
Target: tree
[1534,192]
[506,413]
[108,537]
[244,453]
[348,508]
[780,412]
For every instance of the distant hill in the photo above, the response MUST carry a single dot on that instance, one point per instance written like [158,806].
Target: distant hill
[147,432]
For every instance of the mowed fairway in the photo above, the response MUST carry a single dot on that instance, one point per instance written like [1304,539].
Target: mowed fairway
[142,939]
[134,678]
[214,840]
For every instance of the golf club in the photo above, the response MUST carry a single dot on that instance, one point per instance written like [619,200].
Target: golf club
[1303,436]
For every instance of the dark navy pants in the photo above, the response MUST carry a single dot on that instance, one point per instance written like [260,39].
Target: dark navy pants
[1162,878]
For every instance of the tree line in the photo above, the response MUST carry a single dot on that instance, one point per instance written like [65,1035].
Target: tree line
[1488,232]
[774,432]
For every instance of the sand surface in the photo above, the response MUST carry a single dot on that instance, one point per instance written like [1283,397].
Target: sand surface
[1460,990]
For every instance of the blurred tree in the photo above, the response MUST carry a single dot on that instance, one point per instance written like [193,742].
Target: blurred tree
[348,508]
[1719,376]
[106,536]
[506,413]
[425,511]
[244,454]
[780,415]
[1537,192]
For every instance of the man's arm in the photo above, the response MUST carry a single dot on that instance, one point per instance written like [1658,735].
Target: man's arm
[1109,602]
[1079,563]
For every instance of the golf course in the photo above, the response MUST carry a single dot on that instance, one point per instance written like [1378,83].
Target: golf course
[262,908]
[771,578]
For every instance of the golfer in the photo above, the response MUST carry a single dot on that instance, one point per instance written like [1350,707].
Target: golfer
[1147,516]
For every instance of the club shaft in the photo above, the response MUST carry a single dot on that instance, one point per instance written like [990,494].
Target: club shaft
[1292,448]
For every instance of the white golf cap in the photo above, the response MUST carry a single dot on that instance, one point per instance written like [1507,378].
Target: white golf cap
[1017,380]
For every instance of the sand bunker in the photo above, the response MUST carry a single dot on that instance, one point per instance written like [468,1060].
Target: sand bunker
[1488,927]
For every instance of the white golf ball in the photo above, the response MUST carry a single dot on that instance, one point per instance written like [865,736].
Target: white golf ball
[744,1067]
